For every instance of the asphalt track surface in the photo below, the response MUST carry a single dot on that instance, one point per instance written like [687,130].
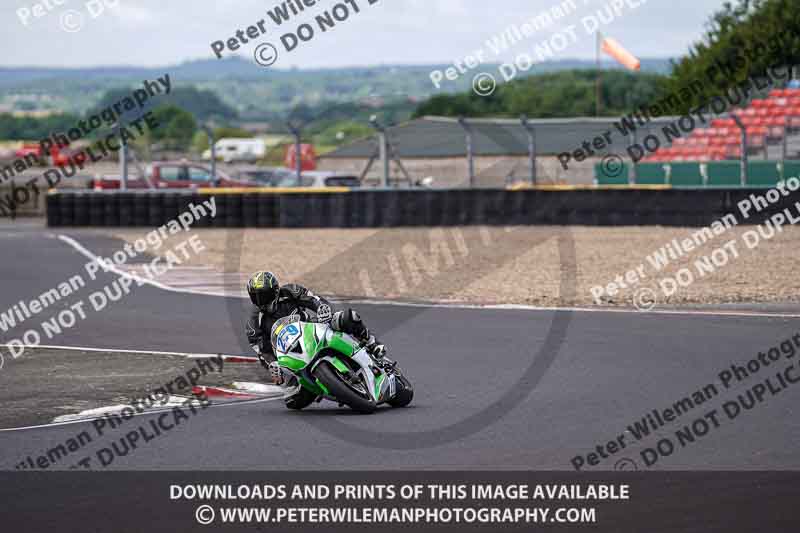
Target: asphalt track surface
[607,370]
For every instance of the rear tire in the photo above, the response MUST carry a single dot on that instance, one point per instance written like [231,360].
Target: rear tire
[341,390]
[404,393]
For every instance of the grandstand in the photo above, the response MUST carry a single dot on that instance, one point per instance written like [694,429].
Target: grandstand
[767,121]
[714,157]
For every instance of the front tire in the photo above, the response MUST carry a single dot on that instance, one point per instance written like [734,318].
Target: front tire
[404,393]
[343,391]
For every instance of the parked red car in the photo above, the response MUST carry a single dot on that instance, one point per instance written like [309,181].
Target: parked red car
[179,175]
[29,149]
[61,157]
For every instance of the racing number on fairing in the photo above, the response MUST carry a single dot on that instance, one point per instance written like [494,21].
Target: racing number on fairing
[287,337]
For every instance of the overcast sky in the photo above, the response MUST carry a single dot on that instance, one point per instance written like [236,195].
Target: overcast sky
[165,32]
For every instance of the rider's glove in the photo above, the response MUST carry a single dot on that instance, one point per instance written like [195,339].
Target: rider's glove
[276,373]
[324,313]
[261,359]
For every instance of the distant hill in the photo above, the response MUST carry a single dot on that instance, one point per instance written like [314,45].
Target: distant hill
[255,93]
[239,68]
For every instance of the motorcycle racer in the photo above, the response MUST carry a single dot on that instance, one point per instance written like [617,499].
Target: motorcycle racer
[272,302]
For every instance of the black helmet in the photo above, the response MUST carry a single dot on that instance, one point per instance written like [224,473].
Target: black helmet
[263,289]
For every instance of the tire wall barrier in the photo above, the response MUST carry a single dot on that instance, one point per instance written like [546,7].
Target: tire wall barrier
[382,208]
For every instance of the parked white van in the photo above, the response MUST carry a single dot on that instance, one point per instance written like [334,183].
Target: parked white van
[231,150]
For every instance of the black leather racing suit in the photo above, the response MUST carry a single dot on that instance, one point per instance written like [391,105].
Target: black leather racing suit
[293,299]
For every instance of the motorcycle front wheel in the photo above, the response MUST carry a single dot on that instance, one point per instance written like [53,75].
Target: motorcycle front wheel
[404,394]
[354,396]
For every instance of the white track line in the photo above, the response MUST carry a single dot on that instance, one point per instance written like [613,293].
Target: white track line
[93,414]
[521,307]
[135,277]
[146,413]
[144,352]
[512,307]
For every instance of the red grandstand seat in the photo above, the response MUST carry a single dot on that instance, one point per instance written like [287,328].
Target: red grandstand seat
[748,112]
[723,123]
[759,103]
[776,93]
[780,102]
[793,115]
[757,138]
[717,152]
[762,112]
[717,141]
[775,126]
[777,111]
[733,152]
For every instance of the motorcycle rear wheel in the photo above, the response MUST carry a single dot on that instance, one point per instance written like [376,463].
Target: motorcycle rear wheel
[343,391]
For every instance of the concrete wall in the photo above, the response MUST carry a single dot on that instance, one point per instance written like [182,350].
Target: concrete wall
[370,208]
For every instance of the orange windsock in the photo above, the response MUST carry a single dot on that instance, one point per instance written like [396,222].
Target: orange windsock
[615,50]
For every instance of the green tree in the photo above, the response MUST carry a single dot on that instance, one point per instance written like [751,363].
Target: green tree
[33,129]
[567,93]
[204,105]
[176,127]
[750,36]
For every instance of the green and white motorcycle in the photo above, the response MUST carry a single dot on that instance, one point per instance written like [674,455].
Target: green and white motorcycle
[331,365]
